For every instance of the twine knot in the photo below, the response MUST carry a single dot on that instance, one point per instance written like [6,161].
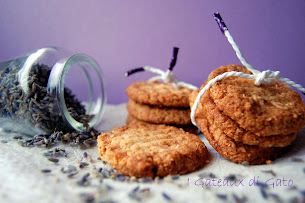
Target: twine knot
[266,77]
[167,76]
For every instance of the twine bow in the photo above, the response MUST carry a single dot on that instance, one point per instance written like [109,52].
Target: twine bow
[166,76]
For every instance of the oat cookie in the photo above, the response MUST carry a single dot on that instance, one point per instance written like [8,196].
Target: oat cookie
[236,151]
[152,150]
[159,94]
[159,115]
[132,121]
[234,131]
[229,68]
[229,148]
[264,110]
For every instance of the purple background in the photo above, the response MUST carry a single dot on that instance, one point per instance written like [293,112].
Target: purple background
[121,35]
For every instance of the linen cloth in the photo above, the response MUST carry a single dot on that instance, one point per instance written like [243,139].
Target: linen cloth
[22,179]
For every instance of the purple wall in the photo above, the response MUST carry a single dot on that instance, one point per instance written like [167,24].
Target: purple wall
[122,35]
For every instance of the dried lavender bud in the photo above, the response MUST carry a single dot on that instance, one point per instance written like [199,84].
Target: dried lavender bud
[68,169]
[231,177]
[239,199]
[212,175]
[46,170]
[261,184]
[145,180]
[203,175]
[297,159]
[135,189]
[134,196]
[139,195]
[263,192]
[166,196]
[222,196]
[109,187]
[84,181]
[83,164]
[53,160]
[175,177]
[271,172]
[17,137]
[106,173]
[85,154]
[121,178]
[72,174]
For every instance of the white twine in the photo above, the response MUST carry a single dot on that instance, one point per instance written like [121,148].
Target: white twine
[167,77]
[238,52]
[265,77]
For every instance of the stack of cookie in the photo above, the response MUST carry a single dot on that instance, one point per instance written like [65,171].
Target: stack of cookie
[159,103]
[245,122]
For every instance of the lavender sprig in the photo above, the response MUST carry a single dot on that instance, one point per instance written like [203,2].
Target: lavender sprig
[171,66]
[165,76]
[130,72]
[174,58]
[223,27]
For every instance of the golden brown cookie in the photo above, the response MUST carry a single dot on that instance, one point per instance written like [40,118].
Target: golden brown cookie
[152,150]
[234,131]
[264,110]
[159,94]
[229,68]
[230,149]
[236,151]
[159,115]
[132,121]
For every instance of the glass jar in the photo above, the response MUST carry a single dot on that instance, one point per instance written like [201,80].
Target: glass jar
[51,90]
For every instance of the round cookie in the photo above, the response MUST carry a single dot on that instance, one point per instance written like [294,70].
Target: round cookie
[229,68]
[132,121]
[159,94]
[264,110]
[234,131]
[230,149]
[152,150]
[236,151]
[159,115]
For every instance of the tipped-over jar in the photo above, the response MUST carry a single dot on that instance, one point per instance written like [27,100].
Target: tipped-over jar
[51,90]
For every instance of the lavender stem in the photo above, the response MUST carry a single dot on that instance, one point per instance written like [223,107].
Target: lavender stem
[174,58]
[220,22]
[130,72]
